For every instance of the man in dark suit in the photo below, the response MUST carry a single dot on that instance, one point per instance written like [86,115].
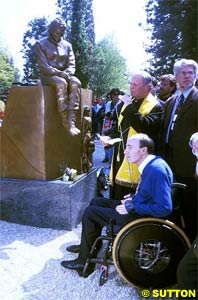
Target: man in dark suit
[179,123]
[142,115]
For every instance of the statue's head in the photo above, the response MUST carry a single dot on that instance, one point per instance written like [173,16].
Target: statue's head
[56,29]
[87,111]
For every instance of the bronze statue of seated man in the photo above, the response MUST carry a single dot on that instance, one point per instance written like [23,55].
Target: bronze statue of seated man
[56,61]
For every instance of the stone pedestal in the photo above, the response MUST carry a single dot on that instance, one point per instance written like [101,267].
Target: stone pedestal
[32,138]
[51,204]
[33,144]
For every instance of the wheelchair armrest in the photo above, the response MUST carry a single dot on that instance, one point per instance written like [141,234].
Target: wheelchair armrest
[177,188]
[178,185]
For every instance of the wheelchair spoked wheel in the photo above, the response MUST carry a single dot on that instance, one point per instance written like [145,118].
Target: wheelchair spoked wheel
[104,273]
[147,251]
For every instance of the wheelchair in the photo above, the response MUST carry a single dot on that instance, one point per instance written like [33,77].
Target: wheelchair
[145,252]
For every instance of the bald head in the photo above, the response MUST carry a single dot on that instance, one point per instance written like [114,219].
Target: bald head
[140,84]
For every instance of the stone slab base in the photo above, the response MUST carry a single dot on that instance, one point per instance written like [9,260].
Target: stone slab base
[50,204]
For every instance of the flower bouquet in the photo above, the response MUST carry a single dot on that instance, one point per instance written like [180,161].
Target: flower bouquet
[69,174]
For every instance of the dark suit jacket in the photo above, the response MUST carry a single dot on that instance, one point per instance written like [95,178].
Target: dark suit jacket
[182,160]
[148,124]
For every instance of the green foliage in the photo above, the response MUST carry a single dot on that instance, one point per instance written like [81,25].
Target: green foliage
[89,21]
[8,74]
[68,9]
[108,69]
[65,10]
[82,39]
[99,67]
[173,24]
[37,29]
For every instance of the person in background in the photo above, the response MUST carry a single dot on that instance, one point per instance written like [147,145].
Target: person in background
[167,87]
[179,123]
[107,123]
[154,86]
[100,115]
[96,106]
[193,143]
[109,106]
[114,123]
[56,60]
[153,198]
[142,113]
[187,277]
[196,82]
[123,101]
[107,113]
[2,110]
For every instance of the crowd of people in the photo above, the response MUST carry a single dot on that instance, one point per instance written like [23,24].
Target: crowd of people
[154,110]
[165,117]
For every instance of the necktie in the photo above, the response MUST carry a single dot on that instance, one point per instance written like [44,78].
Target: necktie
[179,106]
[180,103]
[173,118]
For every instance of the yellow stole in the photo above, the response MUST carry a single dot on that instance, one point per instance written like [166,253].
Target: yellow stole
[128,172]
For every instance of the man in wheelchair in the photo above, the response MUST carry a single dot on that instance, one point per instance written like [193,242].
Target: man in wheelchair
[152,199]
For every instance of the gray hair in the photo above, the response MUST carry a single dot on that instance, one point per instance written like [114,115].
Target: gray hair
[185,62]
[146,77]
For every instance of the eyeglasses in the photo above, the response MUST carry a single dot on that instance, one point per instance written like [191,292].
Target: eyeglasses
[190,73]
[116,94]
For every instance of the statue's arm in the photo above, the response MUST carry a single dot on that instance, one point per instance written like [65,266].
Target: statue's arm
[41,59]
[71,65]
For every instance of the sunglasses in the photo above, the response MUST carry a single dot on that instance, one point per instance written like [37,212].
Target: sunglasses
[116,94]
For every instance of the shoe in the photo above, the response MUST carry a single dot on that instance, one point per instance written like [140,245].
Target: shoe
[75,264]
[71,127]
[73,248]
[105,160]
[78,266]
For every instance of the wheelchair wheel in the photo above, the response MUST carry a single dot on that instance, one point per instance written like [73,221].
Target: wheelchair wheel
[147,251]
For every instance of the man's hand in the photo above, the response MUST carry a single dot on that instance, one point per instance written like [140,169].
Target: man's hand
[121,209]
[126,99]
[64,75]
[126,198]
[104,140]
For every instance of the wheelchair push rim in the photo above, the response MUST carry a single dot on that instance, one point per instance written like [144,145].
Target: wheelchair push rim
[147,251]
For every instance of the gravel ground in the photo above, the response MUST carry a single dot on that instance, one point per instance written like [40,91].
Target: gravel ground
[30,268]
[30,264]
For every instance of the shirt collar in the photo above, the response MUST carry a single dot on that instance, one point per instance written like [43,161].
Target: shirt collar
[145,162]
[185,93]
